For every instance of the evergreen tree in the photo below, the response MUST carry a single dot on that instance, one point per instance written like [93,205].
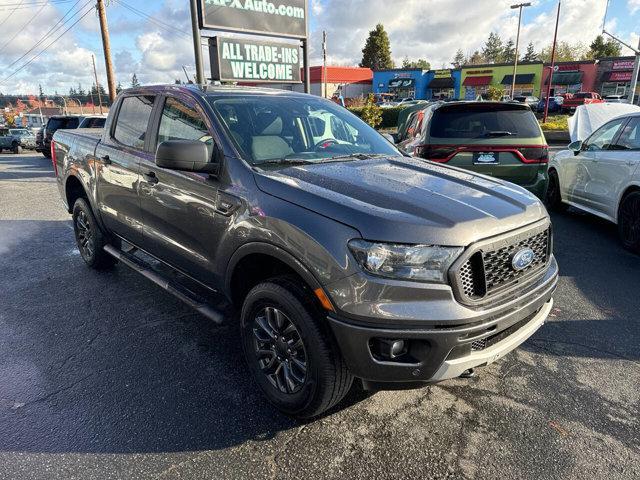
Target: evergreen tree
[476,58]
[420,63]
[118,88]
[376,53]
[509,52]
[459,59]
[530,54]
[600,48]
[40,93]
[134,81]
[493,49]
[565,52]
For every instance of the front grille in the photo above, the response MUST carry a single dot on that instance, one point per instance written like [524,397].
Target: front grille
[490,271]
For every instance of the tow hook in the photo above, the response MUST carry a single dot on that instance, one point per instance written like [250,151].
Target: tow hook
[470,373]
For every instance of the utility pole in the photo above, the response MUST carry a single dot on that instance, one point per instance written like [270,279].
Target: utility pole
[95,74]
[197,43]
[519,6]
[553,64]
[324,61]
[106,46]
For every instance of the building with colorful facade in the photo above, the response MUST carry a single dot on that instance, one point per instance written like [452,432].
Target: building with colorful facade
[476,79]
[570,77]
[614,77]
[418,84]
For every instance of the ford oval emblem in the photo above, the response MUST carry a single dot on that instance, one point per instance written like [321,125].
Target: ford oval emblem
[522,259]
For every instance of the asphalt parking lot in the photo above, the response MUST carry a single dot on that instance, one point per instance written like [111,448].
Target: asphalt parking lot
[105,376]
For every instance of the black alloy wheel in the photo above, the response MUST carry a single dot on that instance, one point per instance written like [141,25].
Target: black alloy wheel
[85,235]
[89,237]
[629,222]
[279,350]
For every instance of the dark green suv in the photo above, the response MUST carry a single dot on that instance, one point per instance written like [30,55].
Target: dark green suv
[500,139]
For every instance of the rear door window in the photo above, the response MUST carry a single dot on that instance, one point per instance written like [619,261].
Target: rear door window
[133,120]
[473,121]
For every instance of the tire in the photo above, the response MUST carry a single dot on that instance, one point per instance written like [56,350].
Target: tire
[90,238]
[17,149]
[280,306]
[553,198]
[629,222]
[46,153]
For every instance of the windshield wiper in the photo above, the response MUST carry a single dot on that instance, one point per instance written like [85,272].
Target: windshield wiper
[358,156]
[284,161]
[499,133]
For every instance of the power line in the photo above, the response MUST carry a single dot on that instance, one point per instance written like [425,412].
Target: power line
[19,30]
[50,32]
[50,44]
[9,16]
[24,6]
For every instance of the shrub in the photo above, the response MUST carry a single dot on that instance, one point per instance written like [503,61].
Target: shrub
[556,123]
[371,113]
[389,116]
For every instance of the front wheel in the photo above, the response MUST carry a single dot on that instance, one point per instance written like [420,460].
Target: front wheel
[629,222]
[17,149]
[290,351]
[89,237]
[553,198]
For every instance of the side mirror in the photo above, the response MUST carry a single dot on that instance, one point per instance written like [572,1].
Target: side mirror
[390,138]
[186,155]
[575,147]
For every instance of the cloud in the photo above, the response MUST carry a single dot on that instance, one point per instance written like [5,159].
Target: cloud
[634,6]
[436,29]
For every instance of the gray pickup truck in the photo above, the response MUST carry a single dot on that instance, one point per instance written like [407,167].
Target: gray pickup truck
[343,258]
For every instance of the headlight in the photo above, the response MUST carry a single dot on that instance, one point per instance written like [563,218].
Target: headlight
[411,262]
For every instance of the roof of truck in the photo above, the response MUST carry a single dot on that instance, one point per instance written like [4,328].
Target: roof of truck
[212,89]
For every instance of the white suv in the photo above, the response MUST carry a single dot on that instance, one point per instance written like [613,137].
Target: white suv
[601,175]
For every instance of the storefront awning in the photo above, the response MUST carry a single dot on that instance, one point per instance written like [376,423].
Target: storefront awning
[477,81]
[445,82]
[566,78]
[521,79]
[401,82]
[620,77]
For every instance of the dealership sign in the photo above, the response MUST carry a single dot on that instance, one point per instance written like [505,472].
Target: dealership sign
[240,60]
[281,18]
[445,73]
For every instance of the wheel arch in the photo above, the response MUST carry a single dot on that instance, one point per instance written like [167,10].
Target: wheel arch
[257,261]
[630,189]
[74,189]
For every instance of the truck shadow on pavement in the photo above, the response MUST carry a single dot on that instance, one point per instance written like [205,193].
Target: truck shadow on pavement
[108,362]
[23,168]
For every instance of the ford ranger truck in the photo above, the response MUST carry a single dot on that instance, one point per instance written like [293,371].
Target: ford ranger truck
[343,258]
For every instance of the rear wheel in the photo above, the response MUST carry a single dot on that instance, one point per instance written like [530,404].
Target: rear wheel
[290,351]
[46,153]
[629,222]
[553,198]
[16,148]
[89,237]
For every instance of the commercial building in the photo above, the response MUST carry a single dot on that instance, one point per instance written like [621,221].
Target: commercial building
[570,77]
[476,79]
[443,84]
[418,84]
[614,77]
[350,82]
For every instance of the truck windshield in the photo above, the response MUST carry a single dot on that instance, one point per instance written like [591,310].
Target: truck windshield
[20,133]
[266,129]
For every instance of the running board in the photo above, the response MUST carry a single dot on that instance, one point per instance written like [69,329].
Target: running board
[187,296]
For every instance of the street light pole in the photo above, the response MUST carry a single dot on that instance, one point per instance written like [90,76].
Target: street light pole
[553,64]
[519,6]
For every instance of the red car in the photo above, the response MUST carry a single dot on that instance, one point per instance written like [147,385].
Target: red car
[580,98]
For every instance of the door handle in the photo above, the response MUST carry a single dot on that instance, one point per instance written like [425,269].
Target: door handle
[150,177]
[106,160]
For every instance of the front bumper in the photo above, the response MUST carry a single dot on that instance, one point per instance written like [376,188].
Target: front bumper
[444,350]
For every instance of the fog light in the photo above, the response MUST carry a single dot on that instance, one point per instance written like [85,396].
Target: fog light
[390,348]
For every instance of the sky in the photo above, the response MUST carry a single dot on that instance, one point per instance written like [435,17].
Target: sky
[152,39]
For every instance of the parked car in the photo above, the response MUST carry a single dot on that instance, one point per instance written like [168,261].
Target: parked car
[500,139]
[527,99]
[66,122]
[601,175]
[343,258]
[580,98]
[555,104]
[404,117]
[16,139]
[616,99]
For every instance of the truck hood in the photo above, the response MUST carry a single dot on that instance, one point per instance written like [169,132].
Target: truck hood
[406,200]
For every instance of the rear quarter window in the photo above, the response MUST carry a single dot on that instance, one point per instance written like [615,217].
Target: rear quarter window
[484,122]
